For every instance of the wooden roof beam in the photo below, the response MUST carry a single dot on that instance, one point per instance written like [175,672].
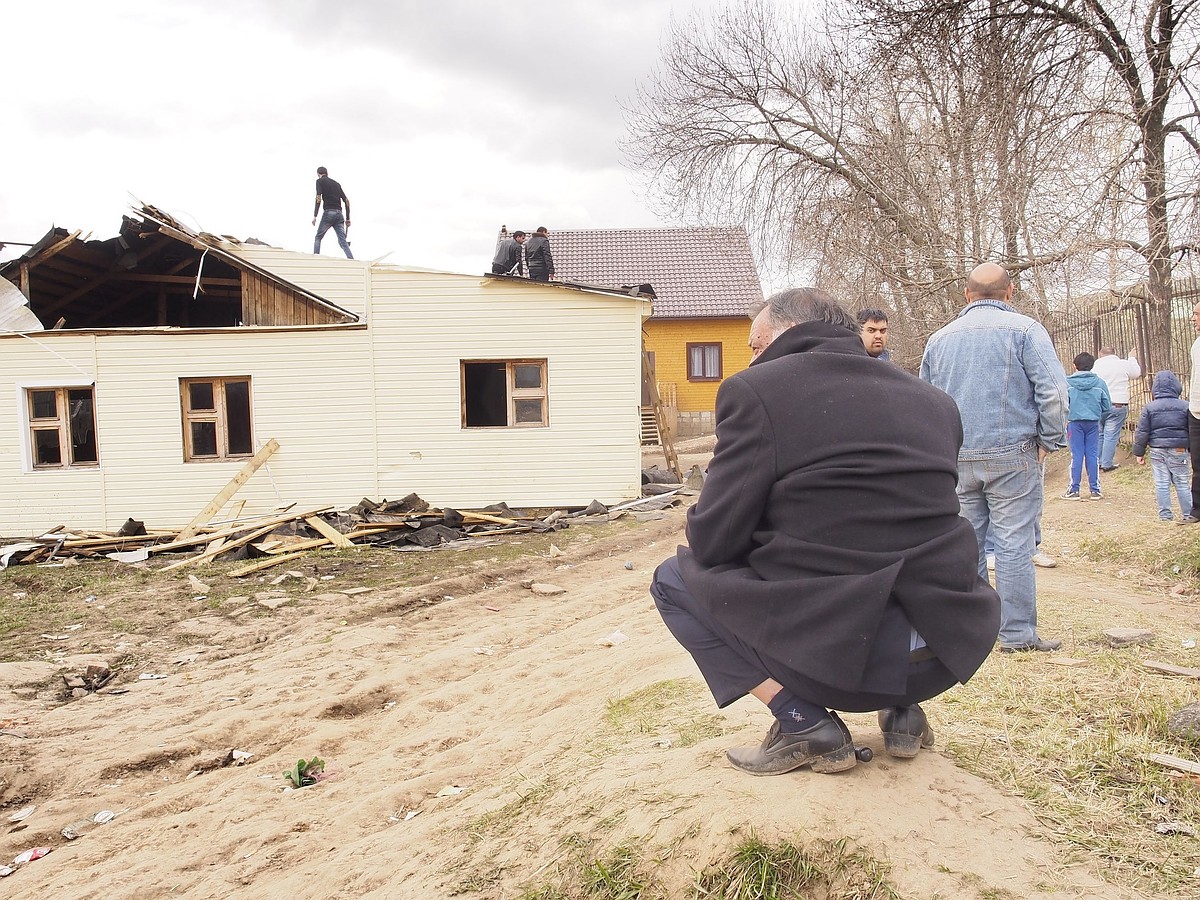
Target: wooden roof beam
[100,279]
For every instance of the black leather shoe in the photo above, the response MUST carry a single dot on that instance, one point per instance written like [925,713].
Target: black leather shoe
[826,746]
[1043,646]
[905,730]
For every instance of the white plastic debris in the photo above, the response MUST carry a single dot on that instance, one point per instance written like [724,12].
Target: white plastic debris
[22,815]
[450,790]
[612,640]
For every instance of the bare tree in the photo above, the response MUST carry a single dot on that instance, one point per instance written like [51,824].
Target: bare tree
[894,170]
[1141,56]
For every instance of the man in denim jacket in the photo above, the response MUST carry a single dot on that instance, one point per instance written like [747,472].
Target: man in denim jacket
[1001,369]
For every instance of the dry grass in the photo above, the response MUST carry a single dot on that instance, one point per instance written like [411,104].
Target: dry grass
[751,870]
[666,707]
[1072,742]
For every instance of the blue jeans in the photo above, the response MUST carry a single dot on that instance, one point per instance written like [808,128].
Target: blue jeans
[334,219]
[1083,437]
[1004,494]
[1110,434]
[1171,467]
[989,545]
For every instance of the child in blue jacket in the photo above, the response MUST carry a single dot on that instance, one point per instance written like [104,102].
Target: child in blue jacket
[1088,402]
[1163,427]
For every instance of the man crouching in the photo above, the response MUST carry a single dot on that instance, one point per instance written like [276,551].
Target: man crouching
[827,564]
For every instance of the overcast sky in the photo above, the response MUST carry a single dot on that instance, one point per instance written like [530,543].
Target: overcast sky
[442,119]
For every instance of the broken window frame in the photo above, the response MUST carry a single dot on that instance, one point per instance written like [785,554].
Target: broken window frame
[704,347]
[63,425]
[218,416]
[513,394]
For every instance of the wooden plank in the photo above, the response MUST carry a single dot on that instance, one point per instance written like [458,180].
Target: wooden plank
[324,528]
[231,545]
[485,517]
[234,529]
[215,504]
[309,544]
[1170,669]
[263,564]
[1173,762]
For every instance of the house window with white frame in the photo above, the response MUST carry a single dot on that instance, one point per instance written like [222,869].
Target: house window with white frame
[216,418]
[62,427]
[504,393]
[704,362]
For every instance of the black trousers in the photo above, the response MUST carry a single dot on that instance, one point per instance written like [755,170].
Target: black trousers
[731,667]
[1194,445]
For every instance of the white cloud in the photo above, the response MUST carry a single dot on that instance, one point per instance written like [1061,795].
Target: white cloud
[442,120]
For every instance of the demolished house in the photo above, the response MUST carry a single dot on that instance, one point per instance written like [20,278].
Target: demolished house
[140,374]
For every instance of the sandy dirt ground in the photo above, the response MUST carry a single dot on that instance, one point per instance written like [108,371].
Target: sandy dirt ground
[466,739]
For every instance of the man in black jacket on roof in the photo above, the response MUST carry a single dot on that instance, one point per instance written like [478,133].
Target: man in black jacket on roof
[538,259]
[827,564]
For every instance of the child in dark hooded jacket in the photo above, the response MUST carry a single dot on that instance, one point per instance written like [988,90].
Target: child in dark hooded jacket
[1163,428]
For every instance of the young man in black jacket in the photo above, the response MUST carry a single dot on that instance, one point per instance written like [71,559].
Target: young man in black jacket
[538,257]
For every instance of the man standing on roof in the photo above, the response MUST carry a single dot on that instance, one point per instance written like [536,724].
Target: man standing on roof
[508,255]
[537,256]
[331,193]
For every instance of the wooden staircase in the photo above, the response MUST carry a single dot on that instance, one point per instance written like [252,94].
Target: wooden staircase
[650,435]
[656,412]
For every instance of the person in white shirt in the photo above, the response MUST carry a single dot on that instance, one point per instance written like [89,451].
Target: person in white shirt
[1116,373]
[1194,421]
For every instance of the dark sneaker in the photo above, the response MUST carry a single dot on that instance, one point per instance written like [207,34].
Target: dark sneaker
[1071,495]
[826,746]
[905,730]
[1096,495]
[1039,644]
[1111,468]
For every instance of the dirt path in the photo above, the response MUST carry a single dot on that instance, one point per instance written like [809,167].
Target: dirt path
[499,693]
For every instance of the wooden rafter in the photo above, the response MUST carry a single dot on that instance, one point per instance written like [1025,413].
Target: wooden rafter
[102,278]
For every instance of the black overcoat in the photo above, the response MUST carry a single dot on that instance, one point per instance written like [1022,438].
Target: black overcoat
[830,504]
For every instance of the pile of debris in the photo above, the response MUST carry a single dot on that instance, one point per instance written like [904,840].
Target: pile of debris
[409,524]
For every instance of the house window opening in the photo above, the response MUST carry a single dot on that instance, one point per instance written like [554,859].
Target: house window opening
[704,362]
[62,423]
[217,418]
[504,394]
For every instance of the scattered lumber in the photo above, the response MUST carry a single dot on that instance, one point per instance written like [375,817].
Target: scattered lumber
[268,540]
[214,505]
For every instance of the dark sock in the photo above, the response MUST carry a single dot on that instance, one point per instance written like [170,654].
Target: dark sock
[795,714]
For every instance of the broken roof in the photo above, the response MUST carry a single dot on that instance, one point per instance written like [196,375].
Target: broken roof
[156,272]
[696,272]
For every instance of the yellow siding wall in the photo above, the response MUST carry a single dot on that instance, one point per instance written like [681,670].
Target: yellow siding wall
[372,411]
[667,339]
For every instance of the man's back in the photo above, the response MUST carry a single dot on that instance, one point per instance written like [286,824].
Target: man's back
[1001,370]
[331,192]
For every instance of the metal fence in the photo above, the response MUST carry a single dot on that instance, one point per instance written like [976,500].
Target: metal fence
[1122,320]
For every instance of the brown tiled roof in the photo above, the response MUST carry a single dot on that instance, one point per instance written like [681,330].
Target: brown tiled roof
[696,272]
